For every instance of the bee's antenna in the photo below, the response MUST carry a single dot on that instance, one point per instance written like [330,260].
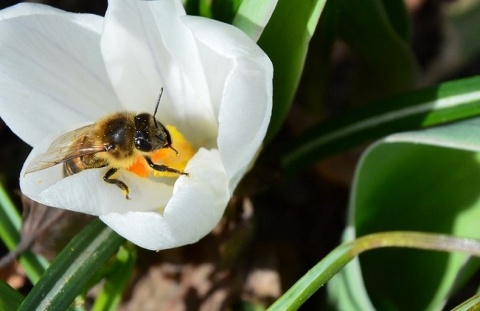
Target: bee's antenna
[156,107]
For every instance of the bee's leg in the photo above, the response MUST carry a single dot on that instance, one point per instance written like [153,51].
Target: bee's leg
[120,184]
[163,168]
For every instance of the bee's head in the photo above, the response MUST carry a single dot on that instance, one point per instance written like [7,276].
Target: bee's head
[150,134]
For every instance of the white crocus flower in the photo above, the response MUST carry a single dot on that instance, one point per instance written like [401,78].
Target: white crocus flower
[59,71]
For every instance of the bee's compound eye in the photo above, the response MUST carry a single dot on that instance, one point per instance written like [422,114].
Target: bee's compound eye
[142,143]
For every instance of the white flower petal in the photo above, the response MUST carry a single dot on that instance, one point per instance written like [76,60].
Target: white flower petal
[244,117]
[23,9]
[86,192]
[87,21]
[246,101]
[195,208]
[146,47]
[217,92]
[129,41]
[45,73]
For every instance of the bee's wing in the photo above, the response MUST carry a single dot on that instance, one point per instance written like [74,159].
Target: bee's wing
[66,147]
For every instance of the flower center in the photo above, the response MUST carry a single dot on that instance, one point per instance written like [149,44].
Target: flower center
[166,156]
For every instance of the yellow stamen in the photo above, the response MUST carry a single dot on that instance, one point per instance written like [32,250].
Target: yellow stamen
[166,156]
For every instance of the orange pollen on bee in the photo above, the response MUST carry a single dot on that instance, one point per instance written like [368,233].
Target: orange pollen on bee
[166,156]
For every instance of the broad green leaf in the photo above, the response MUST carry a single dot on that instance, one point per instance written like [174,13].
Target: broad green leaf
[10,299]
[253,16]
[447,102]
[10,226]
[426,181]
[71,271]
[285,40]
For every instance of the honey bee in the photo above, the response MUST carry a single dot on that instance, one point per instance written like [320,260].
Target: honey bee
[115,142]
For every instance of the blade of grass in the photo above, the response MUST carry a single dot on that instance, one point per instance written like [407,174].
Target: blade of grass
[10,299]
[225,10]
[69,274]
[285,40]
[205,8]
[252,16]
[470,304]
[10,225]
[10,220]
[341,255]
[117,279]
[447,102]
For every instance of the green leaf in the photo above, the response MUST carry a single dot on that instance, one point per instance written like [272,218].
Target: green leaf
[385,62]
[10,223]
[10,299]
[71,271]
[205,8]
[285,40]
[315,81]
[10,220]
[399,18]
[425,181]
[253,16]
[192,7]
[221,10]
[117,280]
[447,102]
[225,10]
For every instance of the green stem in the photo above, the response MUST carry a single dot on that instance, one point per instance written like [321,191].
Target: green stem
[341,255]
